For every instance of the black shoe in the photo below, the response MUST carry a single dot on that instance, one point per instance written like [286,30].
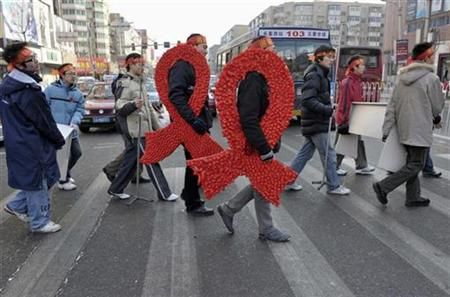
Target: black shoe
[201,211]
[227,219]
[432,174]
[108,176]
[418,202]
[274,235]
[142,180]
[381,196]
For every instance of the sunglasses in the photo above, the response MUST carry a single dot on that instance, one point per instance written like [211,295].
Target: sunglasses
[32,58]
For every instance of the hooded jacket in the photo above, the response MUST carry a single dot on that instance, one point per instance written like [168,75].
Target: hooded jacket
[417,99]
[31,134]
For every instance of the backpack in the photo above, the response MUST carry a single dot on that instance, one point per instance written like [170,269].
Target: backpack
[117,88]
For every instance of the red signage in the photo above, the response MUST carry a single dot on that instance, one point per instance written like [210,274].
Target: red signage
[401,51]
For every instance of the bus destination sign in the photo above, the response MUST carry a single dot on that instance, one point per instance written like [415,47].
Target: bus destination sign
[294,33]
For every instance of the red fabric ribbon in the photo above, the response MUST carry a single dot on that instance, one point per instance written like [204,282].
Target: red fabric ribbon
[268,178]
[162,143]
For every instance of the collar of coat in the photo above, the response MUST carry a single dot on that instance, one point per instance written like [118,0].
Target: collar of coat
[416,65]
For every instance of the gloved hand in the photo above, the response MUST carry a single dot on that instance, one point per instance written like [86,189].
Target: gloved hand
[384,138]
[267,157]
[199,126]
[437,120]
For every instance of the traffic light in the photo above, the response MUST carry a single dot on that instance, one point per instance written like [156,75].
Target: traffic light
[166,44]
[155,45]
[133,47]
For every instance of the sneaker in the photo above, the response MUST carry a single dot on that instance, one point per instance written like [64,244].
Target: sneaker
[21,216]
[293,187]
[274,235]
[50,227]
[432,174]
[381,196]
[227,219]
[71,180]
[121,196]
[341,172]
[67,186]
[366,171]
[171,198]
[417,203]
[341,190]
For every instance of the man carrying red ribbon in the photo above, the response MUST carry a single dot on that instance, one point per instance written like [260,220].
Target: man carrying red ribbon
[252,104]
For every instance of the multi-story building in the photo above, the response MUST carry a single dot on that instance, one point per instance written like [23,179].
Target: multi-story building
[350,23]
[74,11]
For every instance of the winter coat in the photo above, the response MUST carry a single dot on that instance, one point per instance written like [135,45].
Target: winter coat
[252,104]
[315,101]
[66,103]
[181,87]
[133,87]
[31,134]
[417,99]
[350,90]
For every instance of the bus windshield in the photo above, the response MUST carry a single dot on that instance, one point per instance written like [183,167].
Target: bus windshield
[370,56]
[295,54]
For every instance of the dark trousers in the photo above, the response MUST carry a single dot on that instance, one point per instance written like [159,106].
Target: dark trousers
[113,167]
[361,159]
[191,193]
[415,161]
[128,167]
[75,155]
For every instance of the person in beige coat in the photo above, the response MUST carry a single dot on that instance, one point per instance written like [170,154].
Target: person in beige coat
[133,108]
[414,108]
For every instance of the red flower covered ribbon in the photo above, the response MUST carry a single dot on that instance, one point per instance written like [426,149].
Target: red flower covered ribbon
[268,178]
[163,142]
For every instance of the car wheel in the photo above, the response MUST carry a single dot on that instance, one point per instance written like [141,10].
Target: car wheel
[84,129]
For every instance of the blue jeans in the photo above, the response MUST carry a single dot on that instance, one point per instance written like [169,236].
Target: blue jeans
[36,204]
[429,166]
[318,141]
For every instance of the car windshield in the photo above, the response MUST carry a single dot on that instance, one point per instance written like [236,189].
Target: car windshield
[101,91]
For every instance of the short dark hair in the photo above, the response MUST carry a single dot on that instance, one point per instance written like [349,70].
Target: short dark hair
[193,35]
[354,58]
[12,50]
[421,48]
[60,68]
[131,56]
[320,49]
[257,38]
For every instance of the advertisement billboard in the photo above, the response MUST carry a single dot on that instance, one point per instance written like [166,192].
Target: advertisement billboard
[19,20]
[411,10]
[422,9]
[401,49]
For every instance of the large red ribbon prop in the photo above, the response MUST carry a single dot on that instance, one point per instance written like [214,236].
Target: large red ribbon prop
[268,178]
[163,142]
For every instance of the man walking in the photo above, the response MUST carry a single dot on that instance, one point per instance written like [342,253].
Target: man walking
[31,140]
[67,106]
[417,100]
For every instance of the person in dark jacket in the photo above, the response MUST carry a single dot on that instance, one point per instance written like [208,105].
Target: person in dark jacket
[317,111]
[351,91]
[67,106]
[252,104]
[31,140]
[181,87]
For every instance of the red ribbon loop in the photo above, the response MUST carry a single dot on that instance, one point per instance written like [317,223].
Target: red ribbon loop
[268,178]
[162,143]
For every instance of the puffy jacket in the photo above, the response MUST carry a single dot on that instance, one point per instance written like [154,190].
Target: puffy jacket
[133,87]
[31,134]
[66,103]
[181,87]
[417,99]
[315,100]
[350,90]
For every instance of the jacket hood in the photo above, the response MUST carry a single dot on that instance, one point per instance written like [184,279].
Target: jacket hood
[411,73]
[16,81]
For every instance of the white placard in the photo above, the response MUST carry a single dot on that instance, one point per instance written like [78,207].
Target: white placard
[393,154]
[347,145]
[366,119]
[63,154]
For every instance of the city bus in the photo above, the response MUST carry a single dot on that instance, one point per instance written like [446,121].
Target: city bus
[293,44]
[374,68]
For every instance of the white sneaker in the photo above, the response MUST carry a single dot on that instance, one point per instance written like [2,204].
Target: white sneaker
[71,180]
[121,196]
[50,227]
[21,216]
[68,186]
[341,172]
[172,197]
[293,187]
[341,190]
[365,171]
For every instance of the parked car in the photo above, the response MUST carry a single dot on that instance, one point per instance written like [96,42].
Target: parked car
[2,138]
[212,96]
[85,84]
[100,108]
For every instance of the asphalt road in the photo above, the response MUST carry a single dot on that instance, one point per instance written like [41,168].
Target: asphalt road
[341,246]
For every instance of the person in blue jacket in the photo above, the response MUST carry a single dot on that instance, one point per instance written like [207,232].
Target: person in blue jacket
[31,140]
[67,106]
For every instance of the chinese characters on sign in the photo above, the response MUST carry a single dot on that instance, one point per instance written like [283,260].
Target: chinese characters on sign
[294,33]
[401,51]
